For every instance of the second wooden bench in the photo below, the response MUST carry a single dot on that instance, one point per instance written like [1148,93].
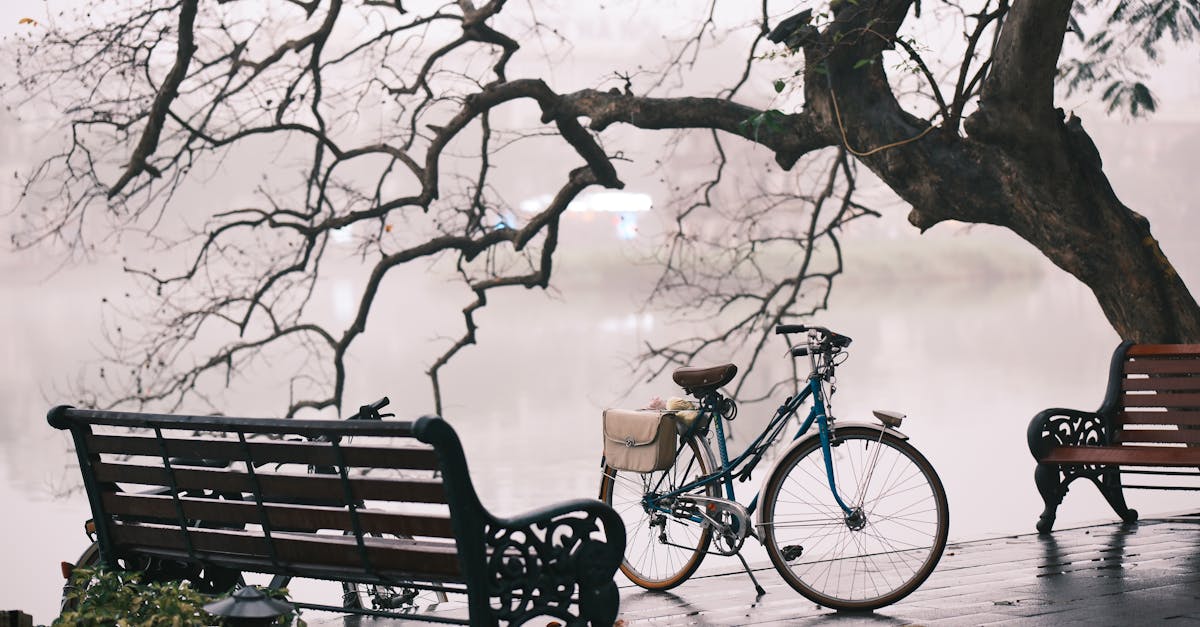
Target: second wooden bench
[1148,425]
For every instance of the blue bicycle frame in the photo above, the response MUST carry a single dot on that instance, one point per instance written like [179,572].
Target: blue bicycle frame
[755,451]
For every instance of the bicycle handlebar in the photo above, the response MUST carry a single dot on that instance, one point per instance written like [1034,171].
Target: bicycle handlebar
[366,412]
[829,338]
[371,411]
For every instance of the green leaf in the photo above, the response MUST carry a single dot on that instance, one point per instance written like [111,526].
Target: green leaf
[1142,100]
[862,62]
[779,85]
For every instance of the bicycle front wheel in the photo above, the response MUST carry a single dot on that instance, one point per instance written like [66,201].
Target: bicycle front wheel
[663,545]
[399,598]
[884,548]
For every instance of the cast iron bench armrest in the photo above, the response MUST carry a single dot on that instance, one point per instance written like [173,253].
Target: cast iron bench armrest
[539,559]
[1059,426]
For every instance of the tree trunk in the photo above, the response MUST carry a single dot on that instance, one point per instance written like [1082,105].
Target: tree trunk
[1058,199]
[1021,165]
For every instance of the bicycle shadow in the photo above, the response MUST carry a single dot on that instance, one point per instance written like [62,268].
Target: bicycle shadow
[777,607]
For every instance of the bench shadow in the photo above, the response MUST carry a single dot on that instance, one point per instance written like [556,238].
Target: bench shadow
[1067,558]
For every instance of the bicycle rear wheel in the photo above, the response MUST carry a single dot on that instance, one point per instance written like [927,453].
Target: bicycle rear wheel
[880,552]
[661,549]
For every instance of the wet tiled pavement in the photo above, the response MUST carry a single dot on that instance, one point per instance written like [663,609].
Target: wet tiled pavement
[1147,573]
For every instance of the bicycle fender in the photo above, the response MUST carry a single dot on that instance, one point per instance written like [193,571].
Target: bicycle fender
[759,523]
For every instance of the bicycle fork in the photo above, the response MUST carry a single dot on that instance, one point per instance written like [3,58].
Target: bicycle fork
[856,518]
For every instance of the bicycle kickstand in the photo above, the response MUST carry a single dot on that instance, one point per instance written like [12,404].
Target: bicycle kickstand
[757,588]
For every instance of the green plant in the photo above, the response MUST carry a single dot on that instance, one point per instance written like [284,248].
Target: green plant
[99,596]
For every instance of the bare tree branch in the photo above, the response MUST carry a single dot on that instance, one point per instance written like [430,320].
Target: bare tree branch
[1021,81]
[185,48]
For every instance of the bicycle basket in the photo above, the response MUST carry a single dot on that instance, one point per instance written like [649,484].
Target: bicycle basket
[639,440]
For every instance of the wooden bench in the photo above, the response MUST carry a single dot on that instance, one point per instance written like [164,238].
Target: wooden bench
[1148,424]
[264,513]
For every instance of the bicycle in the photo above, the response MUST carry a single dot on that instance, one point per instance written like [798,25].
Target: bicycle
[217,580]
[852,516]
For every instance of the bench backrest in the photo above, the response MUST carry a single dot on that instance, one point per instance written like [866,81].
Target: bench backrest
[1154,394]
[265,512]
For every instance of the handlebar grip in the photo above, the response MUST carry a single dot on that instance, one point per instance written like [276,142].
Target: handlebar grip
[781,329]
[799,351]
[370,412]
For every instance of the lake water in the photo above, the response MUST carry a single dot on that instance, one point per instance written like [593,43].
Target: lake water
[970,335]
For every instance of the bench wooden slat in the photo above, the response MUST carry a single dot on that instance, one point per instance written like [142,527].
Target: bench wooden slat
[317,453]
[1169,417]
[1125,455]
[277,486]
[309,551]
[255,564]
[1162,383]
[1159,436]
[1143,350]
[1162,366]
[1161,400]
[280,517]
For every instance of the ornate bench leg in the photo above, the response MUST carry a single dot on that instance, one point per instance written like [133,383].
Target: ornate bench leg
[1110,487]
[1050,485]
[598,605]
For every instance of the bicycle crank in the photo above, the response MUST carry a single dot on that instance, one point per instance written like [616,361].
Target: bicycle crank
[729,519]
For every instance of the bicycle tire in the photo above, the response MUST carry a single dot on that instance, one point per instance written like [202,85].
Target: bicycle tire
[661,550]
[849,563]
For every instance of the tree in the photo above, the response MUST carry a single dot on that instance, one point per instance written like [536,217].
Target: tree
[159,93]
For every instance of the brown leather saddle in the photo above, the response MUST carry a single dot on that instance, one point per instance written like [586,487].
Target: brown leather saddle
[696,380]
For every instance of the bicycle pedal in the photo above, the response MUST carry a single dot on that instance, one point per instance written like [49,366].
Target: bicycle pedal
[791,552]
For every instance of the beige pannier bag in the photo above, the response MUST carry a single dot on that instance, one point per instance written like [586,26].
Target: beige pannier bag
[639,440]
